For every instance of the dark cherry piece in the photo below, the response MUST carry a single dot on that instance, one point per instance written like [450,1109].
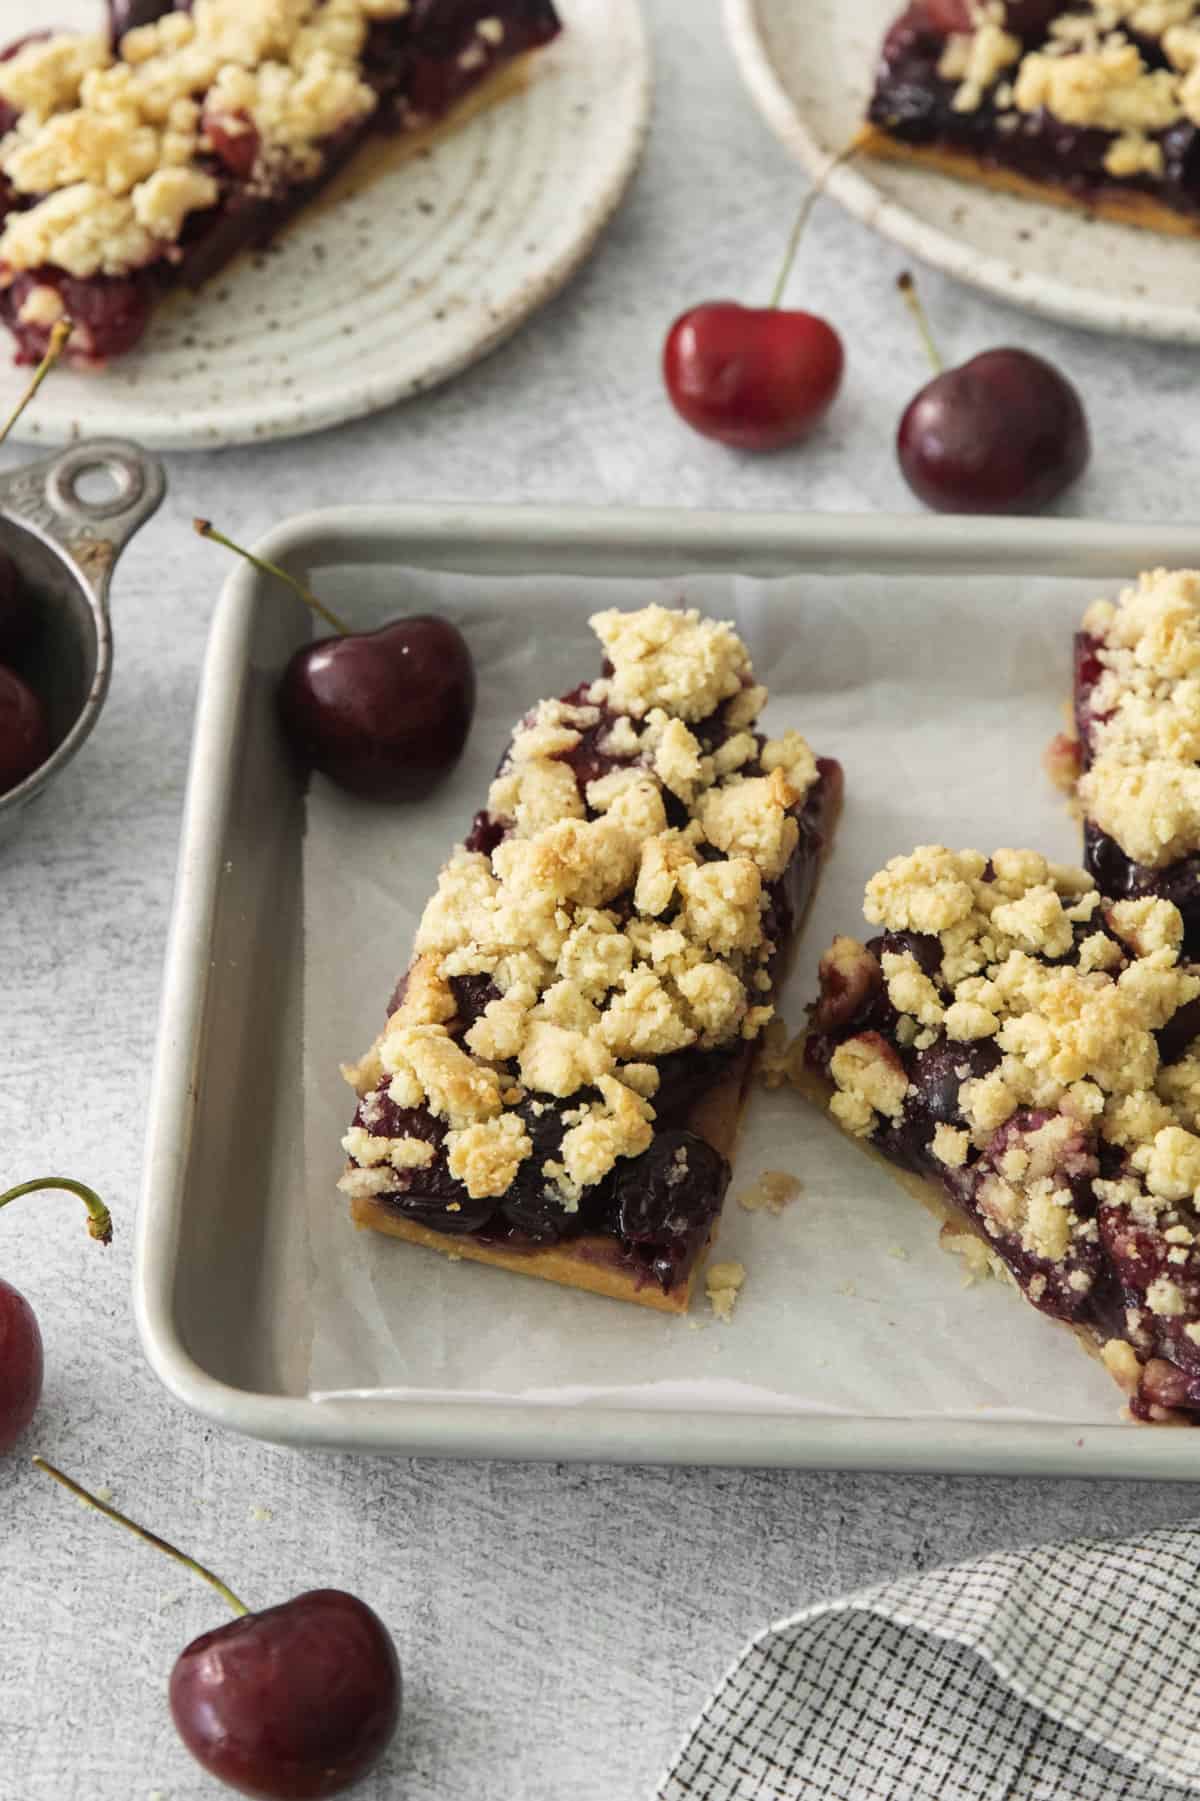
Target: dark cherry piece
[290,1704]
[383,714]
[1024,18]
[300,1700]
[22,1361]
[1003,433]
[753,377]
[24,733]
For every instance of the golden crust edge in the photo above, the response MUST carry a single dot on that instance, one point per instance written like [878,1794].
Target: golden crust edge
[1138,210]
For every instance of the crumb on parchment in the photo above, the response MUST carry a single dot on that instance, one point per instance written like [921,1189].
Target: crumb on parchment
[771,1193]
[723,1284]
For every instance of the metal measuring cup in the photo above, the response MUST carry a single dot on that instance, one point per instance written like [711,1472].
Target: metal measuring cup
[66,544]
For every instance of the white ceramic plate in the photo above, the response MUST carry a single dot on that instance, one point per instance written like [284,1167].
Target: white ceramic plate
[809,65]
[428,266]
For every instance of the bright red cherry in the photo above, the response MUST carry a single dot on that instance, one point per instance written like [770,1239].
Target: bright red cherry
[294,1703]
[21,1356]
[383,714]
[1003,433]
[754,377]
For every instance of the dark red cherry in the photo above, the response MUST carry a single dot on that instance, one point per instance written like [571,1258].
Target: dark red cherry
[24,733]
[17,612]
[1004,433]
[754,377]
[298,1701]
[383,713]
[290,1704]
[21,1365]
[21,1355]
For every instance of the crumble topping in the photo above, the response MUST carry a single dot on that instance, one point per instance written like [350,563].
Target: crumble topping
[674,660]
[1071,992]
[109,143]
[1089,73]
[611,938]
[976,60]
[1143,718]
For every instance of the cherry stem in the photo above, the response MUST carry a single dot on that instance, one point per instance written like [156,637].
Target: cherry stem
[54,349]
[912,301]
[99,1219]
[150,1538]
[207,529]
[802,218]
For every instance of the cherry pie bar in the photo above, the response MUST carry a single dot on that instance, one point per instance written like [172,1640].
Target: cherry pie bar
[1135,759]
[1027,1054]
[146,158]
[1094,105]
[558,1086]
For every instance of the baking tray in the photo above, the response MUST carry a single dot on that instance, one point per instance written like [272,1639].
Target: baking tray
[225,1284]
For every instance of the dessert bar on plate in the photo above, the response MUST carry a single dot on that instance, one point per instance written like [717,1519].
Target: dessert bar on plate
[1092,105]
[1023,1052]
[145,158]
[1134,759]
[558,1086]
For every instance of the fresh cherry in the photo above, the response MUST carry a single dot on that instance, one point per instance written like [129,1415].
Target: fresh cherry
[384,713]
[754,377]
[24,733]
[1003,433]
[290,1704]
[22,1361]
[301,1699]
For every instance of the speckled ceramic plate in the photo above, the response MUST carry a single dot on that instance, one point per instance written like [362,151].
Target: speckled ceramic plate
[809,65]
[409,269]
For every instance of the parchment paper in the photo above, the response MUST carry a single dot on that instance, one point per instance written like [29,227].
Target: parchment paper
[938,696]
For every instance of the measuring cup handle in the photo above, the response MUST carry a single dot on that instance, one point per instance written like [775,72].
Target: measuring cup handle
[46,497]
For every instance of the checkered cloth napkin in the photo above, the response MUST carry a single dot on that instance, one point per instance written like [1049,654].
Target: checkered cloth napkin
[1070,1672]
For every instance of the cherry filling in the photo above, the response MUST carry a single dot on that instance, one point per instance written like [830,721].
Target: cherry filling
[419,65]
[1102,1281]
[1114,873]
[657,1209]
[914,103]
